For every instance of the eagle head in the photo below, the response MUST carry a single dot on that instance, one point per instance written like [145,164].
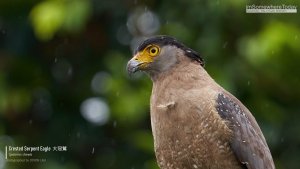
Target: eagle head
[158,54]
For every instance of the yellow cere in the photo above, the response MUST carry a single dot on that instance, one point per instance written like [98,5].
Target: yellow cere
[146,56]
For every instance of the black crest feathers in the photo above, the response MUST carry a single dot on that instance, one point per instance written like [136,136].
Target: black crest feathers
[164,40]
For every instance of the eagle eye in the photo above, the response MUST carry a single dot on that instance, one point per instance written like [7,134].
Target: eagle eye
[153,50]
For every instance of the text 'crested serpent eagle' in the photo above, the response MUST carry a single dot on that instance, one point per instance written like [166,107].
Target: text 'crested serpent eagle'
[195,122]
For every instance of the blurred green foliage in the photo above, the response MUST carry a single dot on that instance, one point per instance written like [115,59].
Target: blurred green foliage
[56,54]
[52,15]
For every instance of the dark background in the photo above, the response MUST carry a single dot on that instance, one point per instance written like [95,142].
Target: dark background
[63,80]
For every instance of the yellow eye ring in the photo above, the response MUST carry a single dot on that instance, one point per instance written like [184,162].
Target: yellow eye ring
[153,50]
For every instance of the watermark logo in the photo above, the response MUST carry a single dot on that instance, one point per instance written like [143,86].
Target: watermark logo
[30,154]
[283,8]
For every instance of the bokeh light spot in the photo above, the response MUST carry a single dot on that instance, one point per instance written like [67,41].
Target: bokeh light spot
[143,22]
[95,110]
[99,82]
[148,23]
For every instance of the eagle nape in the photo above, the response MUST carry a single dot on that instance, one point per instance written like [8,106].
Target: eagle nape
[195,122]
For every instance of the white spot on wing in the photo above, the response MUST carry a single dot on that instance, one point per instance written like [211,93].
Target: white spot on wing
[167,105]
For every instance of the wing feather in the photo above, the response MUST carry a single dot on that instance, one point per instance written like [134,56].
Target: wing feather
[248,142]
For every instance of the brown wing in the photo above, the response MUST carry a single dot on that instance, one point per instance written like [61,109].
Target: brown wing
[248,142]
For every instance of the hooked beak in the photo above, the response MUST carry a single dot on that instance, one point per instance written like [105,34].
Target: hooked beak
[133,66]
[140,61]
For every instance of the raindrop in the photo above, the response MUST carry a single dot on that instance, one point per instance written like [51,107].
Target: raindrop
[62,71]
[248,83]
[30,122]
[296,37]
[93,150]
[95,110]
